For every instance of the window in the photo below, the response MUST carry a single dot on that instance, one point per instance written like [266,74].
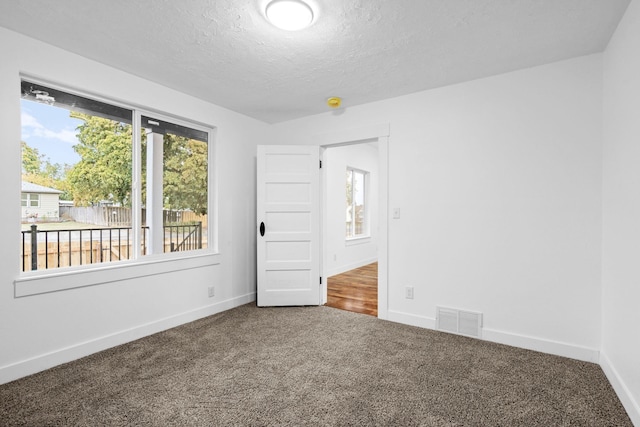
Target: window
[174,186]
[30,200]
[93,152]
[356,213]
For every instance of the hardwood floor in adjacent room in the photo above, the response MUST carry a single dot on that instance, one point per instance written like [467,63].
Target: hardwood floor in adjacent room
[355,290]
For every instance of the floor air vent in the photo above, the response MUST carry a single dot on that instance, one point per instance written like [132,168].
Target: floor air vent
[459,322]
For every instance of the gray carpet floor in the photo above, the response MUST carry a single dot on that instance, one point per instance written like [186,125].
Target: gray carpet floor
[312,366]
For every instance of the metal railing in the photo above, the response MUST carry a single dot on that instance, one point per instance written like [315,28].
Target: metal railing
[187,236]
[66,248]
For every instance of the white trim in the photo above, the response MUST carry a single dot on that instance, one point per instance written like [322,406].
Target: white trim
[212,168]
[366,178]
[128,104]
[344,268]
[360,240]
[40,363]
[54,280]
[383,225]
[136,184]
[624,394]
[557,348]
[38,282]
[379,132]
[349,136]
[573,351]
[412,319]
[213,190]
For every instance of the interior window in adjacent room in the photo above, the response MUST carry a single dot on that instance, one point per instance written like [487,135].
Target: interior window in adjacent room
[356,203]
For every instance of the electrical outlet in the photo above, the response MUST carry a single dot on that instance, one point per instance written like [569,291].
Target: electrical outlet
[408,292]
[212,291]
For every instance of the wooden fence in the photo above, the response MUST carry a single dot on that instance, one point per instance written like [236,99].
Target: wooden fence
[65,254]
[105,216]
[112,216]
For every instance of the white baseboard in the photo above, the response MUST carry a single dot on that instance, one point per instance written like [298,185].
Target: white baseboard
[530,343]
[45,361]
[586,354]
[344,268]
[624,394]
[411,319]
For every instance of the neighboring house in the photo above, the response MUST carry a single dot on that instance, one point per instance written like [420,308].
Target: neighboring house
[39,202]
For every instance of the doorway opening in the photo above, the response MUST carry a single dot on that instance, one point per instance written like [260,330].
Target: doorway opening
[292,248]
[354,225]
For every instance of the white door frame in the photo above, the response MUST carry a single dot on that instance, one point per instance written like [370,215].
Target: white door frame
[379,133]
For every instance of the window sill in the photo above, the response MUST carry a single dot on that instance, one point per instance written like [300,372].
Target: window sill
[58,280]
[360,240]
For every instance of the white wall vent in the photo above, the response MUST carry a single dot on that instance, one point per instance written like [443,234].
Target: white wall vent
[467,323]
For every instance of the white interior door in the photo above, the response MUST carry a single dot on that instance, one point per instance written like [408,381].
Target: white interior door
[288,225]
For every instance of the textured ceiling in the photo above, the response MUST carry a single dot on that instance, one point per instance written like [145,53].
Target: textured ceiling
[225,52]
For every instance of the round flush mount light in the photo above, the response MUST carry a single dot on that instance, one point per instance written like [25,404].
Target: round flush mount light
[289,15]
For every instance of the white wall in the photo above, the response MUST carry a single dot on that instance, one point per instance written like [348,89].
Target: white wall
[499,182]
[42,330]
[499,185]
[341,255]
[621,213]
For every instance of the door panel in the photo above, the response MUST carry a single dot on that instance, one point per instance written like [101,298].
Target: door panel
[288,204]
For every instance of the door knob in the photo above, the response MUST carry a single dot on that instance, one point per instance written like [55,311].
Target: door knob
[262,229]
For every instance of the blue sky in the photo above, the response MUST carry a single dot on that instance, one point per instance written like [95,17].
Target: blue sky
[50,130]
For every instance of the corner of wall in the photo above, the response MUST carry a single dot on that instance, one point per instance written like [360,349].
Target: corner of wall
[624,394]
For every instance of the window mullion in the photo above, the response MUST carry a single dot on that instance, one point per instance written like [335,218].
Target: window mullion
[136,180]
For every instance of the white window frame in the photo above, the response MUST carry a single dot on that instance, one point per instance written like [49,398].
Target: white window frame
[212,212]
[355,238]
[58,279]
[30,199]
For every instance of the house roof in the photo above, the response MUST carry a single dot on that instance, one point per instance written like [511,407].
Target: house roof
[29,187]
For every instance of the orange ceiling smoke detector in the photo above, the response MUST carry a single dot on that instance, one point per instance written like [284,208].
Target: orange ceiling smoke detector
[334,102]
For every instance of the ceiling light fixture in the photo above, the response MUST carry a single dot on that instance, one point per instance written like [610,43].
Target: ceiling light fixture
[289,15]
